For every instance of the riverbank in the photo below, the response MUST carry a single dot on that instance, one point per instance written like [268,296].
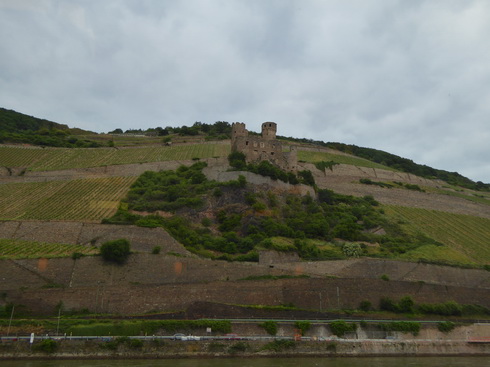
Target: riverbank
[158,349]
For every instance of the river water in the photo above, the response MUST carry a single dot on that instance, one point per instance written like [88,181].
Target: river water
[267,362]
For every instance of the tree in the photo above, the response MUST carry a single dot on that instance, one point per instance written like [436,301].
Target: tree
[116,251]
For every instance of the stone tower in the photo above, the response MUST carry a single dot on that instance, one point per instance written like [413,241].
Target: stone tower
[269,130]
[238,133]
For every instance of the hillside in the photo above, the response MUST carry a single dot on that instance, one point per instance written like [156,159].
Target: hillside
[95,181]
[16,127]
[184,207]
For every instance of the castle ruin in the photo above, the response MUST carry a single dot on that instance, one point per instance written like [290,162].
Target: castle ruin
[263,148]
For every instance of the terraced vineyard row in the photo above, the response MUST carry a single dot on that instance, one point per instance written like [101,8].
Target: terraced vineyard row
[466,238]
[19,249]
[49,159]
[313,157]
[85,199]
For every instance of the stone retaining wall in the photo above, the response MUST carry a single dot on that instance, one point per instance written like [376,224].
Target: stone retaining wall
[78,233]
[314,294]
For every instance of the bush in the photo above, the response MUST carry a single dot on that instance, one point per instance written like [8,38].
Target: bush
[340,327]
[365,306]
[402,326]
[445,326]
[135,344]
[238,347]
[303,326]
[46,346]
[76,255]
[116,251]
[279,345]
[270,327]
[156,250]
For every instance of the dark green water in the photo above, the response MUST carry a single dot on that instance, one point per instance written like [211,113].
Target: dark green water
[268,362]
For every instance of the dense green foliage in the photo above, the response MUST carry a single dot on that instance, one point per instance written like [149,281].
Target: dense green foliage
[269,326]
[403,326]
[450,308]
[116,251]
[302,326]
[218,130]
[244,221]
[46,346]
[279,345]
[446,326]
[340,328]
[16,127]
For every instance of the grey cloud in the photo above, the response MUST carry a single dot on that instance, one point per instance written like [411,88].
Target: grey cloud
[408,77]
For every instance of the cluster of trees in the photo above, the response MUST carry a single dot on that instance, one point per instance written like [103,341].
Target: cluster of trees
[244,220]
[16,127]
[218,130]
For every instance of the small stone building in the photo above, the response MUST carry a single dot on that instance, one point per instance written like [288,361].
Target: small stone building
[263,148]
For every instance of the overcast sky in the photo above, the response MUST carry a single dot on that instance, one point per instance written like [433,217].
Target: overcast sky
[409,77]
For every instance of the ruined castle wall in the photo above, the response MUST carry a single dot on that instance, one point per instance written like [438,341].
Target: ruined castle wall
[263,148]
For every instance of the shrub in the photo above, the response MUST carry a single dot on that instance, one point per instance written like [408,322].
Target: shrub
[279,345]
[238,347]
[116,251]
[402,326]
[156,250]
[385,277]
[445,326]
[76,255]
[406,304]
[46,346]
[365,306]
[303,326]
[340,327]
[270,327]
[135,344]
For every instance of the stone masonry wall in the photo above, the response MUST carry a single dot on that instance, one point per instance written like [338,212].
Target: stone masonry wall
[315,294]
[77,233]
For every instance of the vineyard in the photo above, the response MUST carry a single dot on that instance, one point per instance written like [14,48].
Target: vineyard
[49,159]
[19,249]
[465,238]
[85,199]
[313,157]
